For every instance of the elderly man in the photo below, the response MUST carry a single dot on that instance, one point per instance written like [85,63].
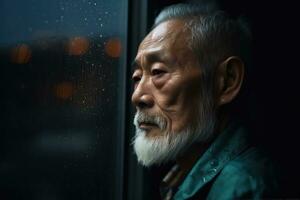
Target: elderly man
[188,74]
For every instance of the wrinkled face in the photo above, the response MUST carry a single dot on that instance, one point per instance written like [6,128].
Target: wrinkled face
[166,79]
[173,109]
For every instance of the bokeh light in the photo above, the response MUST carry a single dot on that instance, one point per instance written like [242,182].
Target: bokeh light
[78,46]
[113,47]
[21,54]
[64,90]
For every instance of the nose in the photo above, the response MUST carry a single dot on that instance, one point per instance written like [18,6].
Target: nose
[142,97]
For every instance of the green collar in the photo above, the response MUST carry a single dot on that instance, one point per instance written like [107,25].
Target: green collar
[227,146]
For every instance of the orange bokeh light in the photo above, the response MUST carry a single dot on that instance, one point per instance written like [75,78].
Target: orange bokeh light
[64,90]
[21,54]
[113,47]
[78,46]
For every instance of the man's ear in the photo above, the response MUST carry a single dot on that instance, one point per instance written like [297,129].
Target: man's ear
[230,75]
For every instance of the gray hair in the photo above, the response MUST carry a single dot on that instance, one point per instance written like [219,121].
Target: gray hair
[215,35]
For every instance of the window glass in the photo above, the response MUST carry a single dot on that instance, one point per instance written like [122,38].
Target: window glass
[62,74]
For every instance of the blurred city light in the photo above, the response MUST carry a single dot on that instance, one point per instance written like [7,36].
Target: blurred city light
[77,46]
[113,47]
[64,90]
[21,54]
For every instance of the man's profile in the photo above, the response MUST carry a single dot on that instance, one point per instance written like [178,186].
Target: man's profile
[189,71]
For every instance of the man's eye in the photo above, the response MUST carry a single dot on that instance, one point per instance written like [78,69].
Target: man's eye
[136,79]
[157,72]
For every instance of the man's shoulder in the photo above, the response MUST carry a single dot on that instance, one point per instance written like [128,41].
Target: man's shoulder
[252,174]
[252,162]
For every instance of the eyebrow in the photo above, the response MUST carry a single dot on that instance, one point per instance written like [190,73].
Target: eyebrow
[151,57]
[135,65]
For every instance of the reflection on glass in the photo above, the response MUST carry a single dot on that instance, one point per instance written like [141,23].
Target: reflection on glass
[62,64]
[113,47]
[78,46]
[21,54]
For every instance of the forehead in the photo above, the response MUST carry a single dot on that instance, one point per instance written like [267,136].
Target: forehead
[169,34]
[166,41]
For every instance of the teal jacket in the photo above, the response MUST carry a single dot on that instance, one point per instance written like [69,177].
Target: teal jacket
[230,169]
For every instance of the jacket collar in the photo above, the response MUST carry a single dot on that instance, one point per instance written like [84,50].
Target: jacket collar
[227,146]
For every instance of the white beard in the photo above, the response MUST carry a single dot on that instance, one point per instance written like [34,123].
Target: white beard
[168,146]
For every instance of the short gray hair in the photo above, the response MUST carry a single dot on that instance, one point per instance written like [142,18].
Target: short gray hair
[214,34]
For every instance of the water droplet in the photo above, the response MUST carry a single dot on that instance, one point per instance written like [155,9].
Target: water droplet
[95,4]
[204,179]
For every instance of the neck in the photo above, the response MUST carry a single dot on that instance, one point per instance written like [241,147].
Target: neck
[189,158]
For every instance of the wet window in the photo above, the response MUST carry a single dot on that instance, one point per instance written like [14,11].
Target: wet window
[62,74]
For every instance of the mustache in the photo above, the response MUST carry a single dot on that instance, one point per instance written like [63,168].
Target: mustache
[142,117]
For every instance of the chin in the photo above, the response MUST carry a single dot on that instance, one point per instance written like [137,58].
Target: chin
[159,149]
[153,133]
[157,146]
[150,148]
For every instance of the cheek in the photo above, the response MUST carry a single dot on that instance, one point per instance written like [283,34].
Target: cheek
[180,92]
[180,101]
[169,93]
